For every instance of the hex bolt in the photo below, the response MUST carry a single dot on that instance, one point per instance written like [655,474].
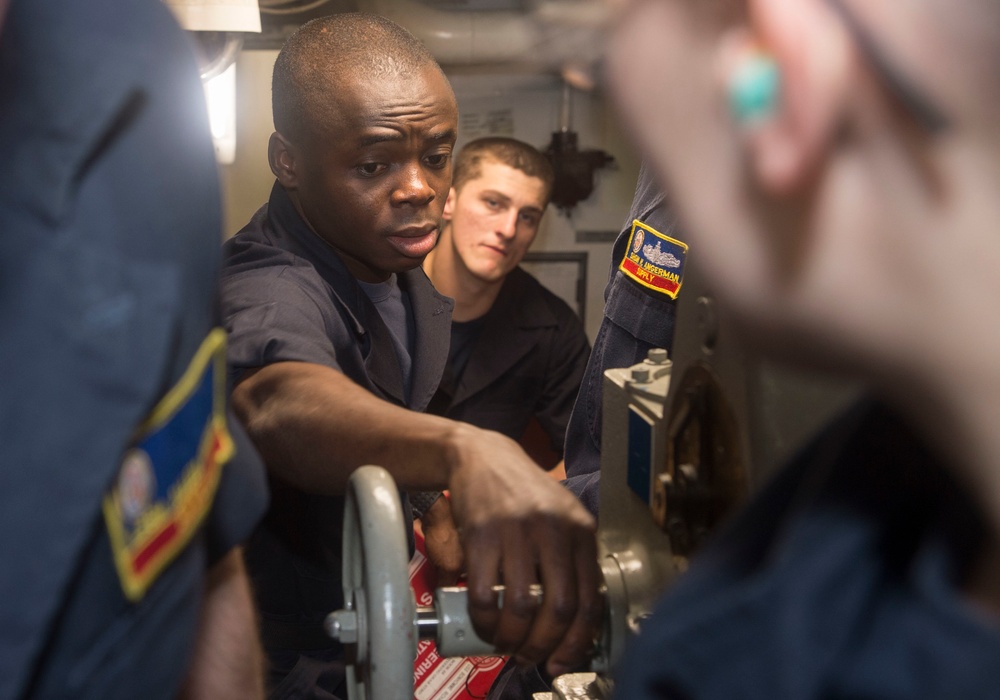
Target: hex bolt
[640,375]
[657,356]
[342,625]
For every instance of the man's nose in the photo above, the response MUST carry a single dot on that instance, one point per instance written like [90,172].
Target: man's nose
[507,225]
[414,187]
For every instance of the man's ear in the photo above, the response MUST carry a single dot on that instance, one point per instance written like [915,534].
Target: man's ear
[281,155]
[811,51]
[449,205]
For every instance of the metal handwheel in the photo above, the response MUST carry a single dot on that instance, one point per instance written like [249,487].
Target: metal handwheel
[377,623]
[380,623]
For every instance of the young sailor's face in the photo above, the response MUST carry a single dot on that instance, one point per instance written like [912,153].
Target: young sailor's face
[493,219]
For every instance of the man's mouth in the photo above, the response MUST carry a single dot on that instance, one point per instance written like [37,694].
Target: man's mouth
[415,241]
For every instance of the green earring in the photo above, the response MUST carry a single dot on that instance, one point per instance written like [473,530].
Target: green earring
[754,89]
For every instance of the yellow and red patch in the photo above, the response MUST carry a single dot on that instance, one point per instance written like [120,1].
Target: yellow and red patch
[170,472]
[654,260]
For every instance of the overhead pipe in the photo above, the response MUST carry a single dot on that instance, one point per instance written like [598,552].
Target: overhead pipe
[461,37]
[216,16]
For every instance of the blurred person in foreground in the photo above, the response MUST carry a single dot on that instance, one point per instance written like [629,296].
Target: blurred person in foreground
[125,488]
[839,184]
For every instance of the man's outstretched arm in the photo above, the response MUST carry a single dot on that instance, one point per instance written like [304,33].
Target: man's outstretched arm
[314,426]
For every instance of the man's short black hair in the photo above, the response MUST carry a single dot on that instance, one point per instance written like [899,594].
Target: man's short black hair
[320,51]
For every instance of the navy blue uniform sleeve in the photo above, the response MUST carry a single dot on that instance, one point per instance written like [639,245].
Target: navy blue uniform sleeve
[110,213]
[636,320]
[272,315]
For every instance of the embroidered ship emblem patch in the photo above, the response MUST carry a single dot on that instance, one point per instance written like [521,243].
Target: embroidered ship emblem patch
[654,260]
[169,473]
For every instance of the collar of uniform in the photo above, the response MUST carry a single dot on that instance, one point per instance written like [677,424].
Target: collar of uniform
[306,243]
[432,316]
[293,234]
[431,310]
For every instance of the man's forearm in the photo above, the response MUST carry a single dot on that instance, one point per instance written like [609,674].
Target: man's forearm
[314,426]
[227,661]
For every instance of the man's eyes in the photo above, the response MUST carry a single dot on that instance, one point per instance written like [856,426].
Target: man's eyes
[371,169]
[437,160]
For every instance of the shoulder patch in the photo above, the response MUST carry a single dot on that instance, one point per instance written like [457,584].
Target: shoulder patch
[654,260]
[170,471]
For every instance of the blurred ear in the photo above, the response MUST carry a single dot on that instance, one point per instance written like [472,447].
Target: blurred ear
[812,52]
[281,157]
[449,205]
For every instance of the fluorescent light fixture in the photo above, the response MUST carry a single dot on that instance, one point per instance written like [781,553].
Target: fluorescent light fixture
[220,94]
[217,15]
